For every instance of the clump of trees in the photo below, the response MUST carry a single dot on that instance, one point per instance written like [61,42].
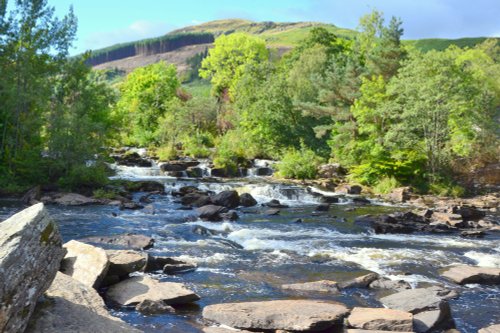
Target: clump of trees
[389,113]
[54,115]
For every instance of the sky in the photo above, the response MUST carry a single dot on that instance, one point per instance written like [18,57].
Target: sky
[103,23]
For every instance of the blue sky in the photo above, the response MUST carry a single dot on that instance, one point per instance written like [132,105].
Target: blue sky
[106,22]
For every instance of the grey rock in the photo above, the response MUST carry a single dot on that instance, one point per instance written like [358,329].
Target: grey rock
[315,286]
[292,315]
[490,329]
[124,262]
[211,212]
[228,199]
[128,241]
[85,263]
[72,307]
[30,254]
[380,319]
[418,300]
[359,282]
[139,288]
[247,200]
[463,274]
[149,307]
[384,283]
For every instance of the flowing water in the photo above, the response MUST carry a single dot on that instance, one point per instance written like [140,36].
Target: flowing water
[249,259]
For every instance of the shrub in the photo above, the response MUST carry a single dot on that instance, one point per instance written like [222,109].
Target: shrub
[299,164]
[166,153]
[447,188]
[386,185]
[197,144]
[86,178]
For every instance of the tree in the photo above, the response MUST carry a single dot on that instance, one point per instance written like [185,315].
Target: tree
[226,62]
[79,122]
[145,97]
[33,45]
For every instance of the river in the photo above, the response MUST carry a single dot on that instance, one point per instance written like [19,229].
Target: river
[249,259]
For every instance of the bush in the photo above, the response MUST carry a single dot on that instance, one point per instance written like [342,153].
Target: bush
[233,150]
[299,164]
[447,188]
[386,185]
[166,153]
[197,145]
[83,178]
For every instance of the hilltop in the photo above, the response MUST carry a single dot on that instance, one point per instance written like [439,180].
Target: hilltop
[180,45]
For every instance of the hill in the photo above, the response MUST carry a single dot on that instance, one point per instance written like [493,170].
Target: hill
[180,45]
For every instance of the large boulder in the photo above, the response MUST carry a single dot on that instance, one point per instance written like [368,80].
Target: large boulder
[463,274]
[291,315]
[381,319]
[315,286]
[140,288]
[169,265]
[127,241]
[124,262]
[70,307]
[30,253]
[85,263]
[228,199]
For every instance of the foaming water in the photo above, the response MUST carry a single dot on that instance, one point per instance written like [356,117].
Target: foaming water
[250,259]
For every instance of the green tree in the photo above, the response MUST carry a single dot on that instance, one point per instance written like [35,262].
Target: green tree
[145,97]
[33,46]
[226,62]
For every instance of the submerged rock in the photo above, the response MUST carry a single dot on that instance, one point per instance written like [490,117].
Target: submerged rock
[463,274]
[292,315]
[385,283]
[381,319]
[316,286]
[85,263]
[70,307]
[129,241]
[140,288]
[275,204]
[30,253]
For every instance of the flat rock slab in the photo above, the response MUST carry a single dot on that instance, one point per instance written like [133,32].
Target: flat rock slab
[418,300]
[70,307]
[74,199]
[291,315]
[490,329]
[381,319]
[127,241]
[85,263]
[428,321]
[140,288]
[360,281]
[30,253]
[316,286]
[463,274]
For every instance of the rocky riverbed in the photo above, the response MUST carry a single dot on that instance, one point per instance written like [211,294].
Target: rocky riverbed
[176,254]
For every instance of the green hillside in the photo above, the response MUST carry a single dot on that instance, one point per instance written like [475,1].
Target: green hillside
[275,34]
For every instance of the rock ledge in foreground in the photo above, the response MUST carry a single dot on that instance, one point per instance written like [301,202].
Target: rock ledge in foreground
[30,254]
[463,274]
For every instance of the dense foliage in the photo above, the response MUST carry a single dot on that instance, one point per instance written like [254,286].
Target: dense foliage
[389,113]
[54,111]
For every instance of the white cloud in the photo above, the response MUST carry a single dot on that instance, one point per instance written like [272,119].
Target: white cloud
[135,31]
